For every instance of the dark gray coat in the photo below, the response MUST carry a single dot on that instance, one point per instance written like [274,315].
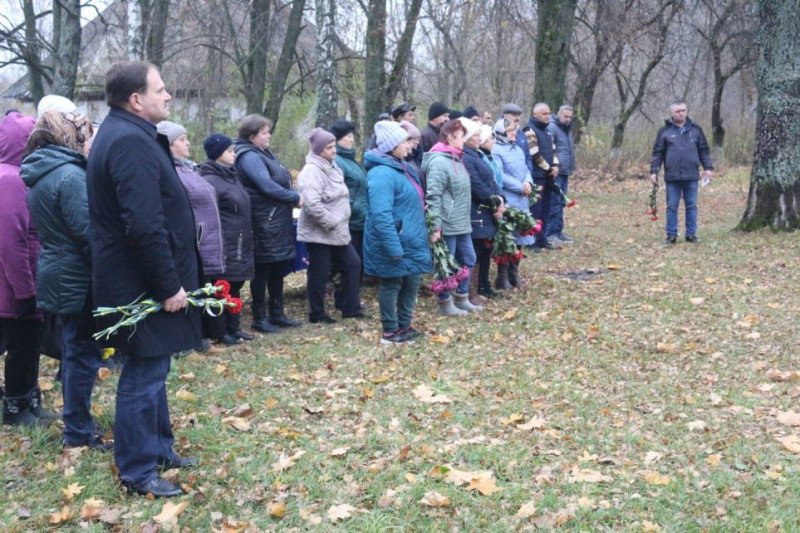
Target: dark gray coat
[143,234]
[682,150]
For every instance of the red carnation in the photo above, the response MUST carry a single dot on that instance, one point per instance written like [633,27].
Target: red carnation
[655,217]
[234,304]
[571,203]
[223,289]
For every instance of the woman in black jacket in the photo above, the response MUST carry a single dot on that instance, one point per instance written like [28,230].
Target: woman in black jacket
[488,205]
[272,199]
[237,227]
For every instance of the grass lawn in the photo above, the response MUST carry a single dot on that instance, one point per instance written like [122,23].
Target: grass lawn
[653,392]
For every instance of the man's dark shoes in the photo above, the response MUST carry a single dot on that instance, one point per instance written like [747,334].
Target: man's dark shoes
[158,487]
[324,319]
[692,238]
[263,326]
[97,444]
[229,340]
[284,321]
[178,462]
[243,335]
[671,239]
[360,315]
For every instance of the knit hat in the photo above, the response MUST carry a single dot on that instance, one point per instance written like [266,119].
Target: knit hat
[388,135]
[503,125]
[455,114]
[171,130]
[437,109]
[319,139]
[55,102]
[486,133]
[512,109]
[341,128]
[470,112]
[215,145]
[471,126]
[413,131]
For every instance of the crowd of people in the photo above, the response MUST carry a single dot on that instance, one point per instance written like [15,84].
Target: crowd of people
[95,217]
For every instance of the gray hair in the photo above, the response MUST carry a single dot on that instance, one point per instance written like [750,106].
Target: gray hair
[541,105]
[678,102]
[565,107]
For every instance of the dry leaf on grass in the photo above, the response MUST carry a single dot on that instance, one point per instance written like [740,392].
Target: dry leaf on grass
[652,457]
[533,423]
[170,512]
[484,486]
[696,425]
[664,347]
[64,515]
[91,509]
[789,418]
[424,394]
[652,477]
[71,491]
[185,395]
[340,512]
[237,423]
[791,443]
[340,452]
[276,509]
[434,499]
[285,462]
[580,475]
[527,510]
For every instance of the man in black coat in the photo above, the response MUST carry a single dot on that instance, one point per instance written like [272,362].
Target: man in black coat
[144,242]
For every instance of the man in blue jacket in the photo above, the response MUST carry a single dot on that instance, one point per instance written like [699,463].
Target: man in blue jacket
[144,242]
[561,129]
[682,147]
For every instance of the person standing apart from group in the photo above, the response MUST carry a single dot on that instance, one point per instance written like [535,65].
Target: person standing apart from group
[143,242]
[682,148]
[561,129]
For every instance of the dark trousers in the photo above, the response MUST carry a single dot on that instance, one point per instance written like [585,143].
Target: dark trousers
[269,277]
[397,298]
[81,357]
[142,432]
[323,257]
[357,240]
[541,209]
[23,344]
[483,253]
[215,327]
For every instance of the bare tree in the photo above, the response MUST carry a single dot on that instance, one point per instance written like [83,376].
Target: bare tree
[67,46]
[326,91]
[277,88]
[554,22]
[775,178]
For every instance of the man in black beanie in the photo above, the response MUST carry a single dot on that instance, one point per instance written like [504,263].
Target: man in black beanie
[438,114]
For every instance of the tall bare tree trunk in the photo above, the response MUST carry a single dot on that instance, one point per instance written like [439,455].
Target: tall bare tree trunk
[135,30]
[157,14]
[278,85]
[256,65]
[326,92]
[31,52]
[775,176]
[375,74]
[403,51]
[67,43]
[554,33]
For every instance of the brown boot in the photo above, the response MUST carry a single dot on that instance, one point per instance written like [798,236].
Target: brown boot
[501,282]
[513,275]
[474,297]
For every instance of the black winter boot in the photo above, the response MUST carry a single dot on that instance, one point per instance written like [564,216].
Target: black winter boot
[501,282]
[17,412]
[513,275]
[260,322]
[277,316]
[38,410]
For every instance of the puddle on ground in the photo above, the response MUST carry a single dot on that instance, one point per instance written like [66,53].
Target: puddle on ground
[588,274]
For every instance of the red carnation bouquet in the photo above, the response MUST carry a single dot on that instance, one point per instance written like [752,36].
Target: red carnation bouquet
[504,249]
[212,299]
[653,211]
[447,273]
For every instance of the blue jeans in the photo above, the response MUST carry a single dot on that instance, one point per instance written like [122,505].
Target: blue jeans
[461,249]
[555,222]
[142,432]
[688,190]
[80,360]
[397,298]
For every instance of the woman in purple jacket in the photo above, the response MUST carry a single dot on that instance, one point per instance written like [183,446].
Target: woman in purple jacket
[20,321]
[203,198]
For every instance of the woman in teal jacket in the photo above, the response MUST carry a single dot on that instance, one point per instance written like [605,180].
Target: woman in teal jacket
[355,177]
[395,237]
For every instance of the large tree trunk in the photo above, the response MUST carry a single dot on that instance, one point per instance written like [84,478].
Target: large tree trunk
[775,176]
[403,51]
[256,65]
[554,32]
[157,13]
[67,42]
[327,95]
[277,87]
[375,74]
[135,30]
[31,52]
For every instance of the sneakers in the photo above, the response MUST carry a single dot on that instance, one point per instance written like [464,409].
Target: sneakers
[561,238]
[97,443]
[398,337]
[671,239]
[413,333]
[692,238]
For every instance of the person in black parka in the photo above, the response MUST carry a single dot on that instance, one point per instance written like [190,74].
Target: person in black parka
[234,213]
[143,243]
[272,200]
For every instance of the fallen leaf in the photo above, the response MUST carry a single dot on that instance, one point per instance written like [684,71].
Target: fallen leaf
[664,347]
[791,443]
[285,462]
[71,491]
[527,510]
[185,395]
[650,527]
[510,314]
[340,452]
[696,425]
[714,459]
[63,515]
[533,423]
[579,475]
[170,512]
[424,394]
[237,423]
[789,418]
[110,515]
[440,339]
[311,518]
[613,267]
[276,509]
[484,486]
[91,509]
[340,512]
[654,478]
[697,301]
[434,499]
[652,457]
